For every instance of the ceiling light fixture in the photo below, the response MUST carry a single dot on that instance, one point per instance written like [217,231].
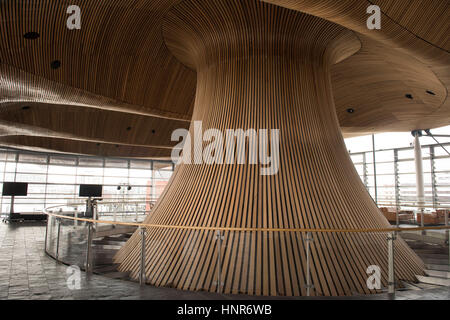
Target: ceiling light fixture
[31,35]
[56,64]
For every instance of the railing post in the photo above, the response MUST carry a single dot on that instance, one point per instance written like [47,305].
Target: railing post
[95,213]
[308,269]
[219,238]
[447,238]
[391,279]
[397,221]
[142,269]
[46,233]
[58,221]
[75,214]
[447,212]
[89,249]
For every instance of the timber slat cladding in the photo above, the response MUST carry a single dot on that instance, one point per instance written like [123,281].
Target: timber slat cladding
[119,62]
[264,67]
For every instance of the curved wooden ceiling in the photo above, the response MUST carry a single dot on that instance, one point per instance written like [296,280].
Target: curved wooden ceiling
[117,72]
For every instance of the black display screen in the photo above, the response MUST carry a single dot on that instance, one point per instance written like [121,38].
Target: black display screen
[15,189]
[90,190]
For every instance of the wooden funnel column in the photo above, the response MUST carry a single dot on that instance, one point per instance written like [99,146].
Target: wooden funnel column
[263,67]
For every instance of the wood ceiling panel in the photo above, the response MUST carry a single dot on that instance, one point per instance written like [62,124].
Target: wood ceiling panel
[48,144]
[118,60]
[118,53]
[91,124]
[428,19]
[378,95]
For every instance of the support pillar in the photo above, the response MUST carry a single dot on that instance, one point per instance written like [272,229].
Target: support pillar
[374,169]
[262,67]
[419,175]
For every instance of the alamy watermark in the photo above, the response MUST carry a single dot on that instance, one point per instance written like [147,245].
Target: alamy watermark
[74,20]
[262,149]
[374,20]
[74,280]
[374,280]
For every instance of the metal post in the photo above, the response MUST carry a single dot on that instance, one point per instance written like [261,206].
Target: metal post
[88,249]
[397,220]
[433,178]
[365,180]
[391,280]
[58,221]
[46,232]
[374,169]
[308,269]
[94,212]
[142,270]
[152,189]
[75,222]
[419,175]
[447,238]
[136,209]
[219,238]
[397,180]
[11,209]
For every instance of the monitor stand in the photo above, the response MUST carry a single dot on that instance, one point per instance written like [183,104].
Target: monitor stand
[12,216]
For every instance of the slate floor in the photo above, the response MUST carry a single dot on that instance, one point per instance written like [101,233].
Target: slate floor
[26,272]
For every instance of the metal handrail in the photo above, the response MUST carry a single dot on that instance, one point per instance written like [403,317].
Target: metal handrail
[149,225]
[408,205]
[142,226]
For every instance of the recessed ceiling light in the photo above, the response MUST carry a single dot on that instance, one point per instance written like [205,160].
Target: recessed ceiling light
[431,92]
[31,35]
[350,110]
[55,64]
[25,107]
[409,96]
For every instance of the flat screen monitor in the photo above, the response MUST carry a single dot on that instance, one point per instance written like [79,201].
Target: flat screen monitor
[15,189]
[90,190]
